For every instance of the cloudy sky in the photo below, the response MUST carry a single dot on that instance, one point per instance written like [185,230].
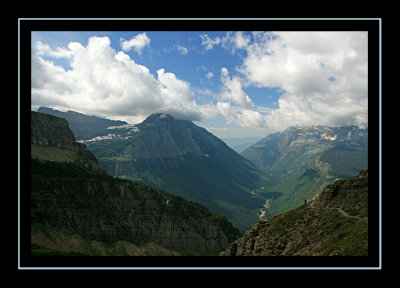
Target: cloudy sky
[234,84]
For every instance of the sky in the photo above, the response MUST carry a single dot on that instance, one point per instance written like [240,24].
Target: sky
[235,84]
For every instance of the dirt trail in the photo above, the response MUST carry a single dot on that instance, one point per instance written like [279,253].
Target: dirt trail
[344,213]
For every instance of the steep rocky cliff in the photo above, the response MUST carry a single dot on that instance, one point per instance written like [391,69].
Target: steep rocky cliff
[75,200]
[52,140]
[334,224]
[110,210]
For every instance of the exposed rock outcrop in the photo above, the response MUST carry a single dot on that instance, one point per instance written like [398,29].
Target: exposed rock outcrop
[52,140]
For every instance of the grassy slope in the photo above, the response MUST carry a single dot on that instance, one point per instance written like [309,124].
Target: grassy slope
[319,231]
[53,153]
[336,223]
[307,231]
[49,242]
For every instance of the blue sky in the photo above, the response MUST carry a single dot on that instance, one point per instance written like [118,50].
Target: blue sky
[178,52]
[235,84]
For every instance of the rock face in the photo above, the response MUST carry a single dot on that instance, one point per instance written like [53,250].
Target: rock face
[334,224]
[109,211]
[75,199]
[350,195]
[51,139]
[47,130]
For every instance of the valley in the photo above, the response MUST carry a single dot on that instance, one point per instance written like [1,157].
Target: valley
[301,161]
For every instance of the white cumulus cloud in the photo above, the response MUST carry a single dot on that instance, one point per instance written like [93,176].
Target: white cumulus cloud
[45,49]
[233,91]
[138,42]
[324,76]
[105,82]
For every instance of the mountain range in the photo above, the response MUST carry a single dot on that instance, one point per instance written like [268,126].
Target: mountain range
[289,151]
[186,160]
[270,177]
[74,201]
[77,208]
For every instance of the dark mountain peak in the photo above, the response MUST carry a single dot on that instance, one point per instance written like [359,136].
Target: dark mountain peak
[45,109]
[162,116]
[184,159]
[159,117]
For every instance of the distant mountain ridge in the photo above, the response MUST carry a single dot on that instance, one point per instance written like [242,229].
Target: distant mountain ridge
[83,126]
[271,176]
[291,150]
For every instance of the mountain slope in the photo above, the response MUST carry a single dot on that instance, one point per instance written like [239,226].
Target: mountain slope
[334,224]
[184,159]
[70,198]
[287,152]
[301,160]
[51,242]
